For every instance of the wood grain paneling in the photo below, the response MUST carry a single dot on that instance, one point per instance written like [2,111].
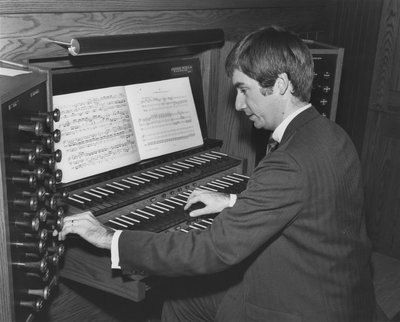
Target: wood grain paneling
[382,183]
[385,57]
[381,150]
[22,35]
[209,62]
[396,63]
[356,30]
[62,6]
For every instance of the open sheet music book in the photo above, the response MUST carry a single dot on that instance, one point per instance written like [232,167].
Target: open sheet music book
[108,128]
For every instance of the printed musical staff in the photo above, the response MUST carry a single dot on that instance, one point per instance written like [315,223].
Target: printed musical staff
[165,118]
[109,128]
[97,132]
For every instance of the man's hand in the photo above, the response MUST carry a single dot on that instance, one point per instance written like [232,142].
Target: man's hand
[89,228]
[214,202]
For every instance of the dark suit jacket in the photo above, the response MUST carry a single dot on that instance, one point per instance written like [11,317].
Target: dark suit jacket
[300,222]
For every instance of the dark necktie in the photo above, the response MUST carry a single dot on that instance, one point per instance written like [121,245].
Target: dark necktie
[271,146]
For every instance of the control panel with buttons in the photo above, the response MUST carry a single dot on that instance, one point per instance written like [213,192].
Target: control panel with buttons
[328,61]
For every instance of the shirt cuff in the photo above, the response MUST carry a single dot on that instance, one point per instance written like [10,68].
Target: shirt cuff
[232,199]
[115,251]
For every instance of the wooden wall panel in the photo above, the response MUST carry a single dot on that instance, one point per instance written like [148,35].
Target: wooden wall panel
[382,174]
[210,81]
[356,30]
[22,34]
[396,66]
[29,6]
[381,151]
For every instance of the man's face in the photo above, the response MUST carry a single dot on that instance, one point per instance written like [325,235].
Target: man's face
[263,110]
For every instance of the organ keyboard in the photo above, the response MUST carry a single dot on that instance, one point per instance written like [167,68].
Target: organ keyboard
[155,205]
[117,192]
[167,214]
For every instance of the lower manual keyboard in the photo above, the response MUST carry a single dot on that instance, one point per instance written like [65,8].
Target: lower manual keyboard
[169,213]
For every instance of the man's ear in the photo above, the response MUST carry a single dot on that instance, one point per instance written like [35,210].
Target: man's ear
[282,83]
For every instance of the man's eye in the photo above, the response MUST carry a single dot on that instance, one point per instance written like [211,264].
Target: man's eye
[242,90]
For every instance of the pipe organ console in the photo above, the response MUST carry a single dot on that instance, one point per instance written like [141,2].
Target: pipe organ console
[97,164]
[150,199]
[30,206]
[145,195]
[47,176]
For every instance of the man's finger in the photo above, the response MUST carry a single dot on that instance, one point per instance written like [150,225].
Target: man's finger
[84,215]
[67,229]
[192,200]
[199,212]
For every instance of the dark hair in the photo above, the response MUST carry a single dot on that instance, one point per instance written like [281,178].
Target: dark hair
[270,51]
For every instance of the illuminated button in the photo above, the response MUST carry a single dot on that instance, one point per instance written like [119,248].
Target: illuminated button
[326,89]
[323,102]
[326,75]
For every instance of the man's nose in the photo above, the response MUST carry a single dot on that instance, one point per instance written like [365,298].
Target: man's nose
[240,103]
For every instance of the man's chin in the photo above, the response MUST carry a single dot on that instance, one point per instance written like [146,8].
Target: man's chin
[257,126]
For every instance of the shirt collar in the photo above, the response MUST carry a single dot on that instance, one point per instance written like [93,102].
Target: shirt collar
[280,130]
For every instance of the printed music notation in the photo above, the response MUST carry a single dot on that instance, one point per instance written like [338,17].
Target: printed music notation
[97,133]
[108,128]
[164,116]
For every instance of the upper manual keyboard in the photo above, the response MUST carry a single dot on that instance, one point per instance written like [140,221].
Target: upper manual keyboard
[124,190]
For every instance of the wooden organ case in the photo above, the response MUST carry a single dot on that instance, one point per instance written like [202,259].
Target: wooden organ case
[150,194]
[30,206]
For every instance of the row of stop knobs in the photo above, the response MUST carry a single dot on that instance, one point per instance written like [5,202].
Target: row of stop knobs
[36,210]
[35,172]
